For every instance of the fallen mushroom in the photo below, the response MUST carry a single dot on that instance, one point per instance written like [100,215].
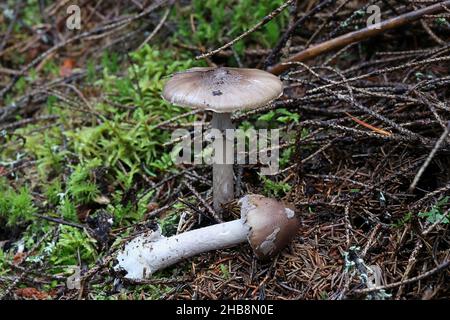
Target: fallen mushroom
[222,90]
[267,224]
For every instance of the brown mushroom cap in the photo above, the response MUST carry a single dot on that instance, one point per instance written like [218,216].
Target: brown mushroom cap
[222,89]
[272,224]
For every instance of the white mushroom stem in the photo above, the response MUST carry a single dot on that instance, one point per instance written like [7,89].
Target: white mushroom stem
[149,253]
[223,185]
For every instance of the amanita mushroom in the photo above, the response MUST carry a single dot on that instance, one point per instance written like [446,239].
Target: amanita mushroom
[267,224]
[222,90]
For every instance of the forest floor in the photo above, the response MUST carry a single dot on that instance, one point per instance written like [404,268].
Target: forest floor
[85,140]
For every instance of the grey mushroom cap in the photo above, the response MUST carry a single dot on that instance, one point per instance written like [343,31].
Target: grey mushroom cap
[222,89]
[272,224]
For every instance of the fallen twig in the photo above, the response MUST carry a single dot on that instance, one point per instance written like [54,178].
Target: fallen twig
[359,35]
[422,169]
[424,275]
[265,20]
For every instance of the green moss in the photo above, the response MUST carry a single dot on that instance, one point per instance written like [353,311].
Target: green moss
[275,188]
[80,186]
[436,213]
[16,207]
[73,244]
[217,22]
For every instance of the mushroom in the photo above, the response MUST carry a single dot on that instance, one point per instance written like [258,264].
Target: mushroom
[222,90]
[267,224]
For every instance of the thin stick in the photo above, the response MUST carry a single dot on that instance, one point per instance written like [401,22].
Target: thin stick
[287,35]
[430,157]
[61,221]
[155,31]
[265,20]
[16,11]
[211,211]
[359,35]
[440,267]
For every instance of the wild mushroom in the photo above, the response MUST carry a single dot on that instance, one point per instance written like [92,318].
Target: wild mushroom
[222,90]
[267,224]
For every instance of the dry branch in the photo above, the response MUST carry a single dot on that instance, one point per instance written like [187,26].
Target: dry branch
[359,35]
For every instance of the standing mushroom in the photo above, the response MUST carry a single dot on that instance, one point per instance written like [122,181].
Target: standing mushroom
[222,90]
[267,224]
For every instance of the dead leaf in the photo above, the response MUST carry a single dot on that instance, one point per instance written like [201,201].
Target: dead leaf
[369,126]
[66,69]
[152,206]
[18,258]
[32,293]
